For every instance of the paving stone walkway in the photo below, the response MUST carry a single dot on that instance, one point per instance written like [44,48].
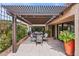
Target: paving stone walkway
[50,48]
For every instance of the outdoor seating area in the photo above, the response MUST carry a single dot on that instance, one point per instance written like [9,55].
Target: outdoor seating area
[41,23]
[38,37]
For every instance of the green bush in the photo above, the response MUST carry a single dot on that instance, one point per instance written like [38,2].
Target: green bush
[6,34]
[36,28]
[21,31]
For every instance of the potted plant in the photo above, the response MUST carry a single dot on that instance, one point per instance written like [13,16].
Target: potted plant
[68,38]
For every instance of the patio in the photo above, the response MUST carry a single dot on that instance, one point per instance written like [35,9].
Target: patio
[51,48]
[55,18]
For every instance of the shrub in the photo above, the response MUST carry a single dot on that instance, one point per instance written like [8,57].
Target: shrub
[21,31]
[6,34]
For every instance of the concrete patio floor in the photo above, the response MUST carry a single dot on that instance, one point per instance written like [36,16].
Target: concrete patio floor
[50,48]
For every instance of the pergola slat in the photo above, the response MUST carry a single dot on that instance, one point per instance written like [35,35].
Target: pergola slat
[54,10]
[50,10]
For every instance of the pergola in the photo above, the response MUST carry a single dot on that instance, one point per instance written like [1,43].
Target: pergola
[34,14]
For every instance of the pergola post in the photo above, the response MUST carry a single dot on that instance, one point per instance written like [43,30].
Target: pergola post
[30,28]
[56,31]
[46,27]
[77,31]
[50,28]
[14,34]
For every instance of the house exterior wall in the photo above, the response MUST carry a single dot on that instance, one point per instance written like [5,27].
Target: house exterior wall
[72,11]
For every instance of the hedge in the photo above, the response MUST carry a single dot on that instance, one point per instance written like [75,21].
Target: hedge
[6,34]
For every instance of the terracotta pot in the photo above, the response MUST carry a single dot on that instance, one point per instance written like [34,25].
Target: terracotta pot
[69,48]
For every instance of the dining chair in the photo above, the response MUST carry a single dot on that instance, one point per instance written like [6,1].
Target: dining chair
[39,39]
[45,37]
[33,39]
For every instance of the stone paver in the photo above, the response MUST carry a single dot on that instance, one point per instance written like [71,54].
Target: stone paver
[29,48]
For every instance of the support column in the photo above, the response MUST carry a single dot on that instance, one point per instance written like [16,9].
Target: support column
[62,27]
[46,27]
[50,29]
[14,34]
[77,31]
[56,31]
[30,28]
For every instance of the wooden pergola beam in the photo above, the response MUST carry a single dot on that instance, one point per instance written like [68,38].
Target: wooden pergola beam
[20,18]
[38,25]
[23,19]
[50,20]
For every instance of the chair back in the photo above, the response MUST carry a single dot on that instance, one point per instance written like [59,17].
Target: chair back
[45,35]
[39,38]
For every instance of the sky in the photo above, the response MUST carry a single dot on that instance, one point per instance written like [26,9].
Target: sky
[35,4]
[36,1]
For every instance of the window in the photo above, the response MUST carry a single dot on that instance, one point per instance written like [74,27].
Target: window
[65,26]
[72,28]
[59,28]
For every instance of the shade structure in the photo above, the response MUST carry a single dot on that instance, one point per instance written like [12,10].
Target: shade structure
[37,13]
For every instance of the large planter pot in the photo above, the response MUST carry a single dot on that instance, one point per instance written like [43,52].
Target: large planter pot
[69,48]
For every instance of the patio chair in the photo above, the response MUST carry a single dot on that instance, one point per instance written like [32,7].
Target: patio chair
[45,37]
[39,39]
[33,39]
